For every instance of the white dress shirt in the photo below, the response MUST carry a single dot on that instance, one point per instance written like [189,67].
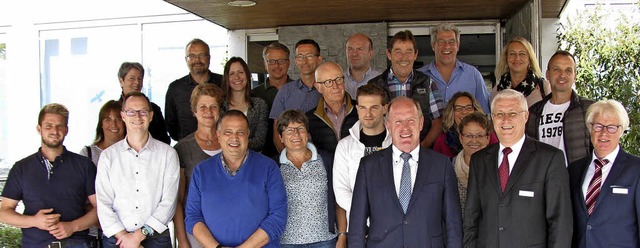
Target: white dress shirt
[605,170]
[137,188]
[398,162]
[515,151]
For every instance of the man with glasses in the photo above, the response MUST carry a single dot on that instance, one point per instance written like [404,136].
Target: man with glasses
[177,109]
[137,183]
[299,94]
[605,183]
[360,53]
[558,119]
[400,79]
[450,74]
[276,62]
[518,189]
[54,185]
[335,113]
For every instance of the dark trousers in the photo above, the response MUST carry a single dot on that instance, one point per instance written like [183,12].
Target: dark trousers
[163,241]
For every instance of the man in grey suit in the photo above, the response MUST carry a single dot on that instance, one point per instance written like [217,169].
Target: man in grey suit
[518,193]
[408,192]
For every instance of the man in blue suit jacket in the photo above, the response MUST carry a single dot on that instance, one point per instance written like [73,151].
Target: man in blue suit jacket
[606,211]
[408,192]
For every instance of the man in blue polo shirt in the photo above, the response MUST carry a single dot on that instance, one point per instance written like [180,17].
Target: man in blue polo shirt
[54,184]
[299,94]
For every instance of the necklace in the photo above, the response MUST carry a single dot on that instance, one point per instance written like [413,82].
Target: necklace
[208,141]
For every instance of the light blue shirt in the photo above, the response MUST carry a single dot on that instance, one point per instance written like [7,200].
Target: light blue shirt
[351,85]
[294,95]
[464,77]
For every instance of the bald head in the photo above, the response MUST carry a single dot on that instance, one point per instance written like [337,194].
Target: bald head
[330,82]
[359,51]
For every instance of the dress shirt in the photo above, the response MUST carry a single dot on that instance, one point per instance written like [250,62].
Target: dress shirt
[337,118]
[398,162]
[515,151]
[294,95]
[464,77]
[137,188]
[605,170]
[351,85]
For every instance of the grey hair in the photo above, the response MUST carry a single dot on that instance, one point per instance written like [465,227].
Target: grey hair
[510,94]
[443,27]
[608,107]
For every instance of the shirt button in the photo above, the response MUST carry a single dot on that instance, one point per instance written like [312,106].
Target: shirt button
[589,227]
[136,156]
[135,224]
[501,228]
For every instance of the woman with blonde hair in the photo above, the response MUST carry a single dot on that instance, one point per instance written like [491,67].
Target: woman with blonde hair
[519,70]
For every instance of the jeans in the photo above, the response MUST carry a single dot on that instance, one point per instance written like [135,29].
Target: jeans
[322,244]
[160,242]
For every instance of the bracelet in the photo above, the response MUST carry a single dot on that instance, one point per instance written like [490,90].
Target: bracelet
[343,233]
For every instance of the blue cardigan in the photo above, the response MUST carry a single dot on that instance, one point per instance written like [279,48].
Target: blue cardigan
[233,208]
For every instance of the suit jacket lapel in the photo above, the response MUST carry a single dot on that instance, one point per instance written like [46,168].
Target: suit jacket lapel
[421,177]
[616,168]
[491,157]
[583,173]
[526,153]
[386,168]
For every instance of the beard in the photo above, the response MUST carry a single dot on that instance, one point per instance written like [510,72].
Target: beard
[52,144]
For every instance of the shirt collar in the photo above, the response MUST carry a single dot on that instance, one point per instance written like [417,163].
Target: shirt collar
[148,145]
[392,76]
[515,148]
[310,146]
[415,153]
[343,107]
[348,73]
[611,156]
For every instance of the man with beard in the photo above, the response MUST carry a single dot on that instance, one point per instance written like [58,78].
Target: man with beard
[54,184]
[359,55]
[177,109]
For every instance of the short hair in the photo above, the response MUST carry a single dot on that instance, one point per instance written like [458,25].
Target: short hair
[291,116]
[400,98]
[448,120]
[373,90]
[563,53]
[510,94]
[56,109]
[233,113]
[405,35]
[608,107]
[309,42]
[368,39]
[503,65]
[275,46]
[444,27]
[105,110]
[478,118]
[211,90]
[127,66]
[197,41]
[136,94]
[226,88]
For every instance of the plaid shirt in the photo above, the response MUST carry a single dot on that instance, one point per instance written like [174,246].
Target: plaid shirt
[397,88]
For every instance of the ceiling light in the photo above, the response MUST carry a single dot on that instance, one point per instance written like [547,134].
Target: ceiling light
[242,3]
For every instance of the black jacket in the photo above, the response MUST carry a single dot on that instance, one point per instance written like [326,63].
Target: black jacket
[321,128]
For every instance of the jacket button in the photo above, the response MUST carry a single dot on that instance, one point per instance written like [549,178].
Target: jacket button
[501,228]
[405,222]
[589,227]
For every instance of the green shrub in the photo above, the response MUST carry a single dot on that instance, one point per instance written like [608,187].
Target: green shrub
[9,236]
[608,59]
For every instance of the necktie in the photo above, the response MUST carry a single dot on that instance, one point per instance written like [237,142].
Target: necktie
[594,186]
[405,182]
[503,170]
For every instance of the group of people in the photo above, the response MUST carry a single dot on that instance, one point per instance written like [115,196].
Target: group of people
[351,157]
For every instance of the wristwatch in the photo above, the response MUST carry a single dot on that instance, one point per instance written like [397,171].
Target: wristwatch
[147,231]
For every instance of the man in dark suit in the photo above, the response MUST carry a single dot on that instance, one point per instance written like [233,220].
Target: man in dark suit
[518,193]
[408,192]
[605,185]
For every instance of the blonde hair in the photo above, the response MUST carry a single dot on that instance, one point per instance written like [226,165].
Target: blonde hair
[608,107]
[503,65]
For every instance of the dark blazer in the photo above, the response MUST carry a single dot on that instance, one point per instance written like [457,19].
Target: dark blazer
[433,217]
[534,210]
[614,222]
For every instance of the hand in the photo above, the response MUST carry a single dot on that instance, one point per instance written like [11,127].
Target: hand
[130,240]
[44,219]
[62,230]
[342,241]
[183,243]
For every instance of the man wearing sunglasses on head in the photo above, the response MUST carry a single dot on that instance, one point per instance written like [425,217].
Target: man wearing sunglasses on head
[137,183]
[558,119]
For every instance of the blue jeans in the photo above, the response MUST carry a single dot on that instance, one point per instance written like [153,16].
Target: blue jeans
[160,242]
[322,244]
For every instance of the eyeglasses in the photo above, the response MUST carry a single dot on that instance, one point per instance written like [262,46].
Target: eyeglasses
[142,112]
[198,56]
[276,61]
[310,56]
[446,42]
[292,130]
[596,127]
[329,82]
[460,108]
[509,115]
[473,136]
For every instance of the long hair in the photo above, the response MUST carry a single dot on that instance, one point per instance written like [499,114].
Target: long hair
[105,110]
[448,119]
[226,88]
[503,65]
